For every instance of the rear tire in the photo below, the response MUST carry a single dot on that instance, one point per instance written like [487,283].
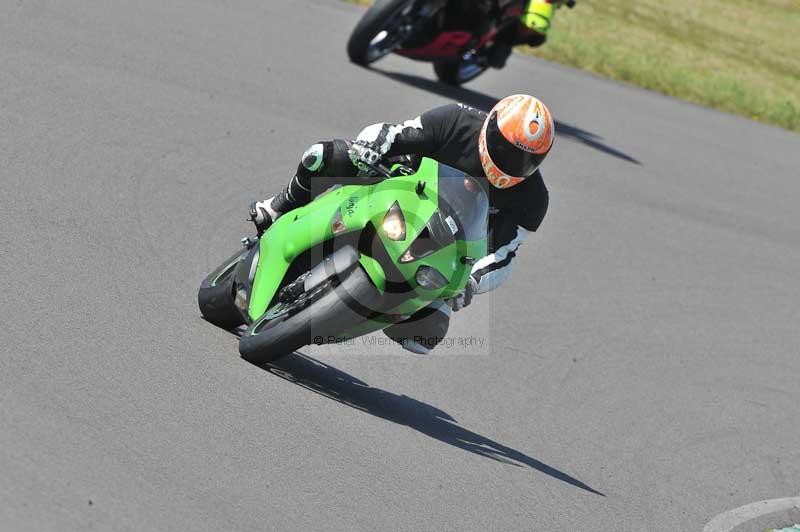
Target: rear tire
[327,311]
[452,71]
[371,24]
[216,298]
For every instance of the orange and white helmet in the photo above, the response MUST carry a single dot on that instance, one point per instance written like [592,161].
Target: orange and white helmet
[515,139]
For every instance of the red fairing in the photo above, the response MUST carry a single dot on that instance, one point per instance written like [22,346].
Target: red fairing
[447,44]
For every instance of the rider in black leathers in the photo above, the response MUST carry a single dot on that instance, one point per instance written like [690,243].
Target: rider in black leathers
[449,134]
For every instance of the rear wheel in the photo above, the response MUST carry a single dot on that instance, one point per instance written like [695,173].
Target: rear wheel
[216,298]
[380,31]
[317,316]
[458,71]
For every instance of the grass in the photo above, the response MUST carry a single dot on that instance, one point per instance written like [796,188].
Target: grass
[739,56]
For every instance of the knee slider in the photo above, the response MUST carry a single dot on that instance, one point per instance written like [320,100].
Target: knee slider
[314,157]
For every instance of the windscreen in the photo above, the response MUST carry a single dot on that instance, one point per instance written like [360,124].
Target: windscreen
[463,204]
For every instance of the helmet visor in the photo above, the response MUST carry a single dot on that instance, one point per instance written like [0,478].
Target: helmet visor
[508,157]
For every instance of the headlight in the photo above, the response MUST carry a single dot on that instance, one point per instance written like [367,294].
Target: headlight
[407,257]
[430,279]
[394,225]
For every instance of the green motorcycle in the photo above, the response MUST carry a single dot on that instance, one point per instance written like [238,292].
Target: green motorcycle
[353,261]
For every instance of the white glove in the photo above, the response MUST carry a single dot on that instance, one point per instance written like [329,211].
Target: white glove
[363,153]
[464,299]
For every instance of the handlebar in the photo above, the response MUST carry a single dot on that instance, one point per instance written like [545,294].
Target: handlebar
[377,169]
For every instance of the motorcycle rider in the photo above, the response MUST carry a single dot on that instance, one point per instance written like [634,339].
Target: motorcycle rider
[532,28]
[503,150]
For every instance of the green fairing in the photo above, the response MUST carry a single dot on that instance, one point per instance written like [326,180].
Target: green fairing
[308,226]
[375,271]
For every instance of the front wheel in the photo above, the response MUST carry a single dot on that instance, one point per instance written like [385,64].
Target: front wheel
[458,71]
[216,298]
[320,315]
[380,31]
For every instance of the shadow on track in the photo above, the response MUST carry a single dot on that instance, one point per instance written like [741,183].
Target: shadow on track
[485,102]
[348,390]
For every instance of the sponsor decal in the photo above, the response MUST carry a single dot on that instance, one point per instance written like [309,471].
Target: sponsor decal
[451,224]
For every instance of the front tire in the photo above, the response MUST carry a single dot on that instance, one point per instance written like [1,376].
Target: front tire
[361,47]
[216,298]
[324,312]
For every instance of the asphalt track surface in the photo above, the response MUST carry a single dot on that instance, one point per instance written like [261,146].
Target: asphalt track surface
[637,372]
